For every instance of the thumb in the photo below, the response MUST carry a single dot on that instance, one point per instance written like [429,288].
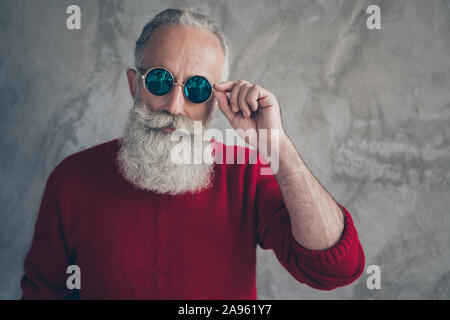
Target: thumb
[224,105]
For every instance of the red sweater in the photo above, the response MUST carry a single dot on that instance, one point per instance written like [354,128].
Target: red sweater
[135,244]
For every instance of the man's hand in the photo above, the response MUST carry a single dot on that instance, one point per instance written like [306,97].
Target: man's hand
[249,106]
[317,221]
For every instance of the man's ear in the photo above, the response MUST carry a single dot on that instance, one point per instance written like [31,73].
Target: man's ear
[131,76]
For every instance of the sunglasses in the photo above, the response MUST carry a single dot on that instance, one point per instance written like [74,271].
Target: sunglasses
[160,81]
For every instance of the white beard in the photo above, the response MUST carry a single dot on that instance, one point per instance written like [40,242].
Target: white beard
[145,159]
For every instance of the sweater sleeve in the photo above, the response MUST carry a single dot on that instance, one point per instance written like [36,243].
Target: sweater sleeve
[325,269]
[47,259]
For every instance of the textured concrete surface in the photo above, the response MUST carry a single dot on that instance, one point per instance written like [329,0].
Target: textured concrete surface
[369,111]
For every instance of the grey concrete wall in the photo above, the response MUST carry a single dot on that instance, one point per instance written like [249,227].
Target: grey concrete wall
[369,111]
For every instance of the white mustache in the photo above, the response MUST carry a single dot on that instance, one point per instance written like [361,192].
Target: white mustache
[160,119]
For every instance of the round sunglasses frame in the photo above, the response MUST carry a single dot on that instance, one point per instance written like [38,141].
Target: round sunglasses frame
[144,74]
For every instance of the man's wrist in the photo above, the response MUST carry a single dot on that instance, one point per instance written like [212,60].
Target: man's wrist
[290,162]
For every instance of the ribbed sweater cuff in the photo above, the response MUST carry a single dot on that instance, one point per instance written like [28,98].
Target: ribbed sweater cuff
[345,260]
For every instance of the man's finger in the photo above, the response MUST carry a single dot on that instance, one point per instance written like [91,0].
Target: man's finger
[224,86]
[234,97]
[224,104]
[242,100]
[253,96]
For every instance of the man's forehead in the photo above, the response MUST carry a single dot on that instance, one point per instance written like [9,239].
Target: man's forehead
[183,48]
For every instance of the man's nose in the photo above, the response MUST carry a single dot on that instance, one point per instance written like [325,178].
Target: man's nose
[175,101]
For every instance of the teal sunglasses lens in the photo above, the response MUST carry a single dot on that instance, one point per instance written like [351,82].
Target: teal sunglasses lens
[197,89]
[159,82]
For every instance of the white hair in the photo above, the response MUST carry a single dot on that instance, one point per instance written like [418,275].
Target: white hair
[177,17]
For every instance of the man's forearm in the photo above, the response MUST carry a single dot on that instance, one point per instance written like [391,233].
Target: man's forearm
[317,221]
